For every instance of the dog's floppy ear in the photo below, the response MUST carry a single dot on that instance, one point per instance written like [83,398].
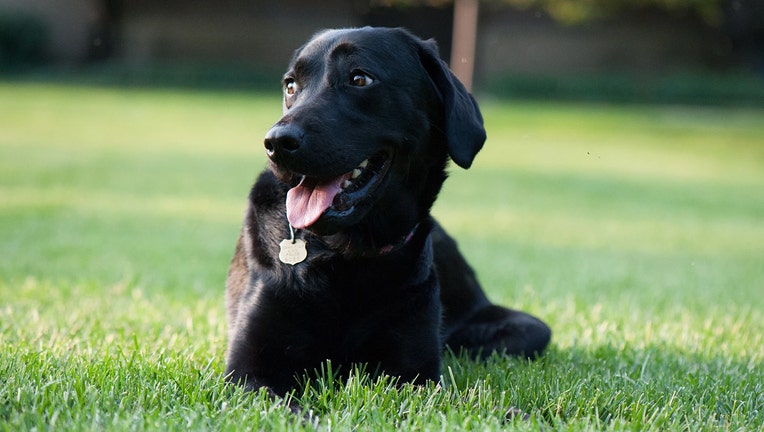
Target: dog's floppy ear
[464,129]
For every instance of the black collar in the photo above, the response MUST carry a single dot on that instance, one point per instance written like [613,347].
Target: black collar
[402,242]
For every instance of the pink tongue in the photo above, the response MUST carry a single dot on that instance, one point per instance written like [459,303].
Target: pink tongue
[307,201]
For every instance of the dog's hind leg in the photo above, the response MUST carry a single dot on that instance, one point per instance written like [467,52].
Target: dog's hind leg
[470,321]
[498,329]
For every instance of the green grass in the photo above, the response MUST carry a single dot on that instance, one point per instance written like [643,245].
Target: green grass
[637,232]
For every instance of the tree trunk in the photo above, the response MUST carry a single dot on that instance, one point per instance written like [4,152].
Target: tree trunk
[463,42]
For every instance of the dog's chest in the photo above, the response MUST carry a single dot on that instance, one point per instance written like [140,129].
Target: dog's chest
[344,306]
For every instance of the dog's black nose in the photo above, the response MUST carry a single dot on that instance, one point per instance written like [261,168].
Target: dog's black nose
[283,138]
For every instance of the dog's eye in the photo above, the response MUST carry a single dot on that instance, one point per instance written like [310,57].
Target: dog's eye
[290,87]
[361,80]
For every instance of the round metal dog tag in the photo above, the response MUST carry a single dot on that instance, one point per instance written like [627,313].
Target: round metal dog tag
[292,251]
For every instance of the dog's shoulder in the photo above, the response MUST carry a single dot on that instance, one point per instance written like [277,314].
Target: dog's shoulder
[265,220]
[268,194]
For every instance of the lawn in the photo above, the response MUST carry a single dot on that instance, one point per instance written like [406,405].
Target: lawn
[636,232]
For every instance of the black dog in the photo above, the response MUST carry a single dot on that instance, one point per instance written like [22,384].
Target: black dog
[363,274]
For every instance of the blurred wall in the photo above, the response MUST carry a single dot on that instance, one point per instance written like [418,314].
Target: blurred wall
[72,25]
[649,42]
[258,33]
[263,34]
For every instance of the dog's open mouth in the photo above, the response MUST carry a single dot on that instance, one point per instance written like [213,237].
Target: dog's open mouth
[314,197]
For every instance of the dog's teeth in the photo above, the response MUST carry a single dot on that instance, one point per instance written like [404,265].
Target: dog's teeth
[356,172]
[363,164]
[346,184]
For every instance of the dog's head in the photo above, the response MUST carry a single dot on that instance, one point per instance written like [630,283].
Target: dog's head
[371,116]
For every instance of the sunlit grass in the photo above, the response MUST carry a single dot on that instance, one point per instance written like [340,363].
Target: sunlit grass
[636,232]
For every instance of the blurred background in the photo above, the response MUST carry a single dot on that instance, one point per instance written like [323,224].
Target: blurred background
[619,198]
[673,51]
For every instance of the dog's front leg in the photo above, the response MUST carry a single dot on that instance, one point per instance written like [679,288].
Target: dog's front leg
[251,382]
